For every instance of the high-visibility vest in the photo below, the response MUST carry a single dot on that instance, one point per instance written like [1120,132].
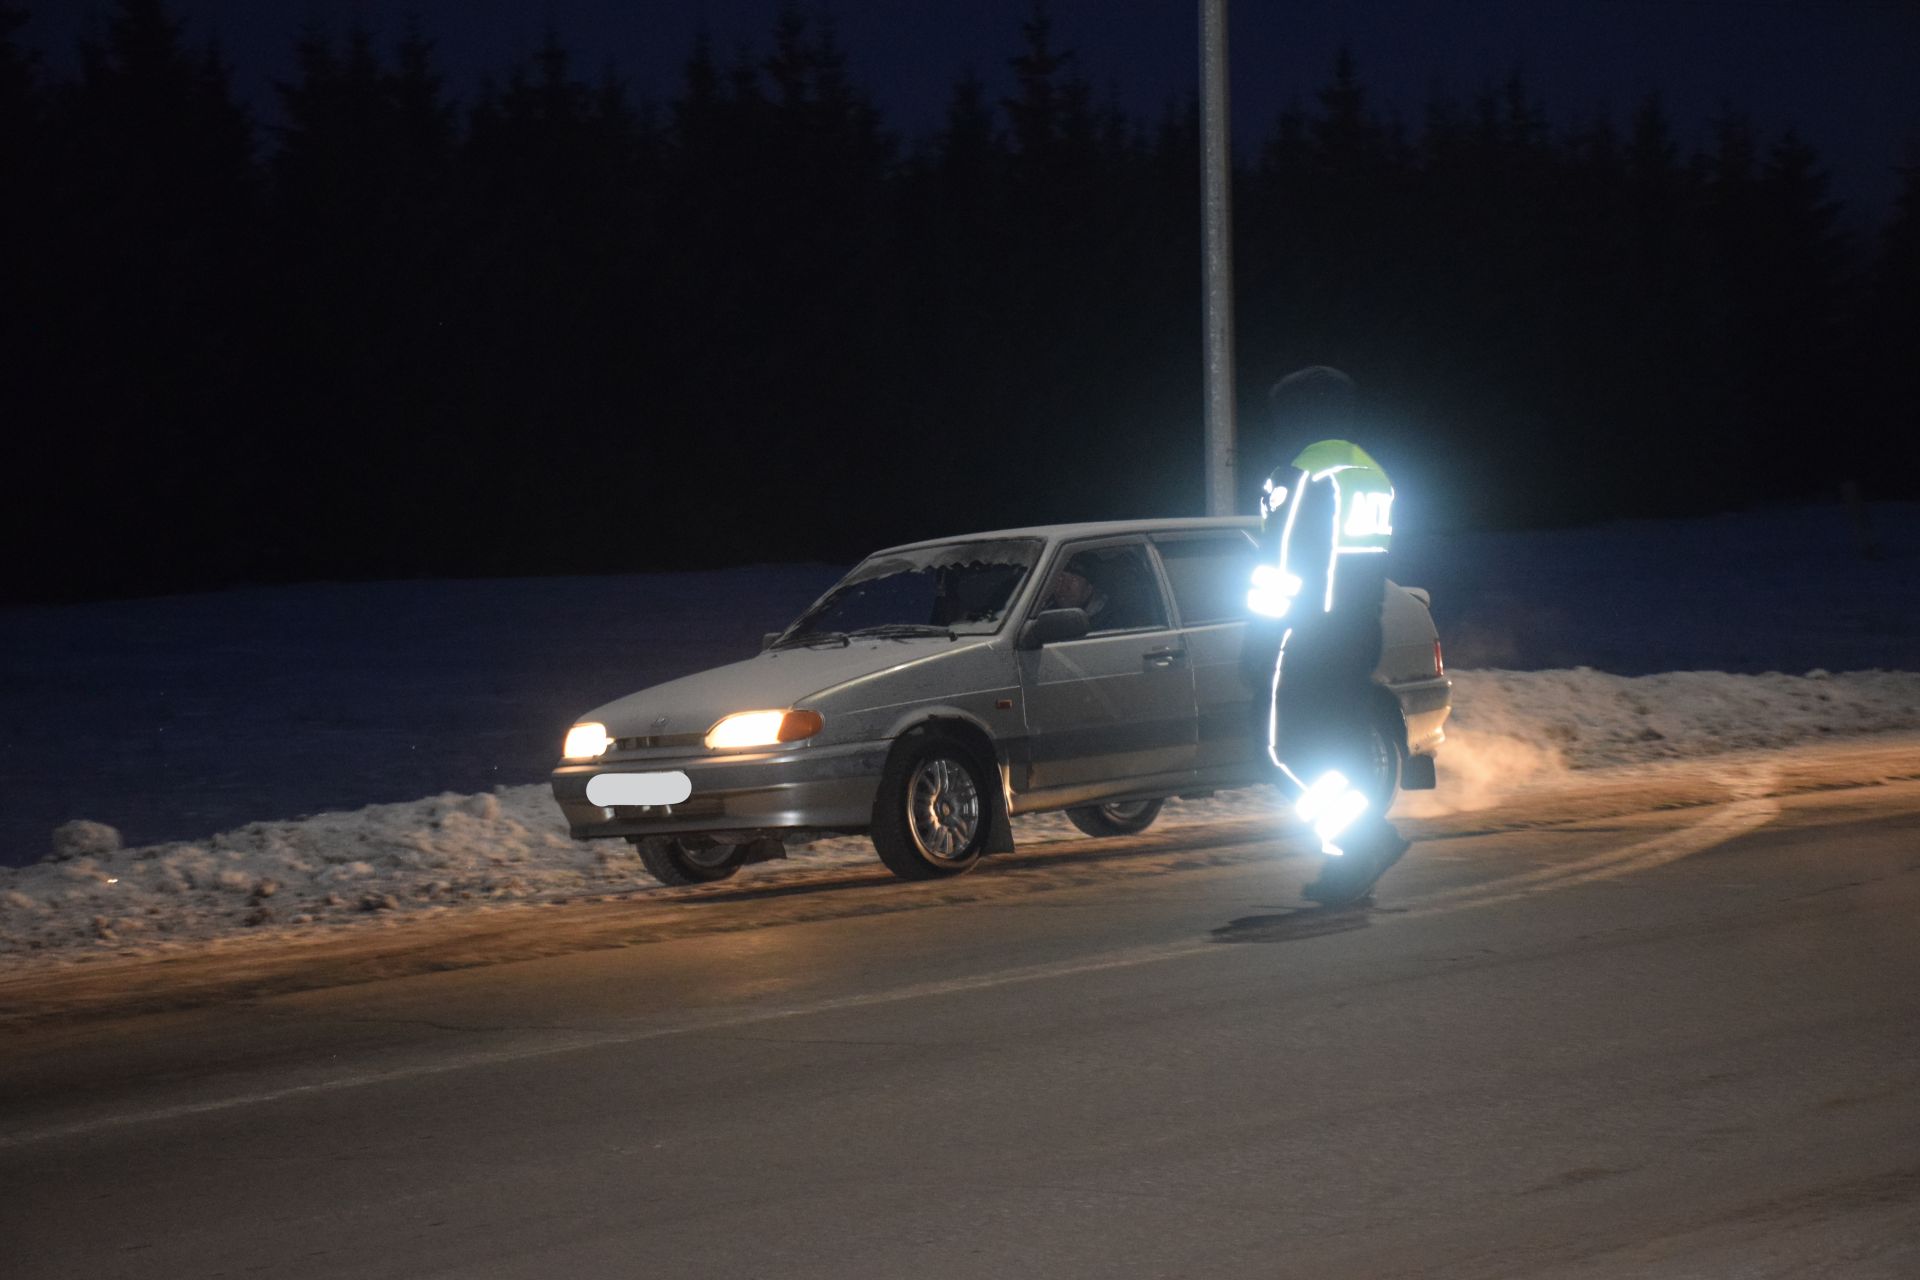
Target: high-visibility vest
[1363,495]
[1362,517]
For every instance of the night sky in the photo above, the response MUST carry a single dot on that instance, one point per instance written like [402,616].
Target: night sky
[1843,73]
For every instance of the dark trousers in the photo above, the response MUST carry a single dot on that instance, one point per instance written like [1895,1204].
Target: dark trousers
[1320,709]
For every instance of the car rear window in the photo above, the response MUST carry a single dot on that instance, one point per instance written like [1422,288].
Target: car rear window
[1209,576]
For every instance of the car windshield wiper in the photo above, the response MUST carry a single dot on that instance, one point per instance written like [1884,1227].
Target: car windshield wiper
[902,631]
[807,639]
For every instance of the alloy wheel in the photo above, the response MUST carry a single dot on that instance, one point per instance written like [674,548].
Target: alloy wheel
[943,808]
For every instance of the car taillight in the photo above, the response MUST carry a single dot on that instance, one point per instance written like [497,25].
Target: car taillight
[1439,659]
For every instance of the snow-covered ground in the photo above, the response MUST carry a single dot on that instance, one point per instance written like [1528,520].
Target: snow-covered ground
[173,719]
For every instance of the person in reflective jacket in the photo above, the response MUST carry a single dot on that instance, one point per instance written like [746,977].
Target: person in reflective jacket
[1327,522]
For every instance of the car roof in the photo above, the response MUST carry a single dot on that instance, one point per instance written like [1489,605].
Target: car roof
[1093,529]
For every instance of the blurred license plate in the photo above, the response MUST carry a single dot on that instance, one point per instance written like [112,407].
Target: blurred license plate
[610,789]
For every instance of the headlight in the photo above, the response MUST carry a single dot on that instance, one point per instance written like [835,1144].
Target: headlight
[586,741]
[763,728]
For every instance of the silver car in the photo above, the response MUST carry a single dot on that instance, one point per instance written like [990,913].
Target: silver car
[943,687]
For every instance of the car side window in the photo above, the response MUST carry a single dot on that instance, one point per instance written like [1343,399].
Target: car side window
[1116,586]
[1209,576]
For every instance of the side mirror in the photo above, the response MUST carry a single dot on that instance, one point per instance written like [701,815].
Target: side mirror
[1052,627]
[766,641]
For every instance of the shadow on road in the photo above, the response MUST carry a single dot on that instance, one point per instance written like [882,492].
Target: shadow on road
[1292,926]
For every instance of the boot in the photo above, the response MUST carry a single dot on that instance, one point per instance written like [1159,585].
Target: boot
[1348,881]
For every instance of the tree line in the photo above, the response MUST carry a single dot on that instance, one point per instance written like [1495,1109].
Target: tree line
[556,328]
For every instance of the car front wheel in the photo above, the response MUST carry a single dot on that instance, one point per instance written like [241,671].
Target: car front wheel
[933,809]
[690,859]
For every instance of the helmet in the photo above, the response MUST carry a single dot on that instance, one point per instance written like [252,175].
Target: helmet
[1316,398]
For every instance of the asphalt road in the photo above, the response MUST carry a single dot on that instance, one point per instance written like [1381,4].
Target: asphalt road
[1682,1042]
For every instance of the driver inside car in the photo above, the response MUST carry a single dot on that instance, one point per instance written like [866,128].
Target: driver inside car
[1072,590]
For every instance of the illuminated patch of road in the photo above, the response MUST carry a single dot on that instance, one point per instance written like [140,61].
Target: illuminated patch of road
[1754,809]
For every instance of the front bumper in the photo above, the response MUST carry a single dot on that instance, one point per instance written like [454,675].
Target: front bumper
[806,788]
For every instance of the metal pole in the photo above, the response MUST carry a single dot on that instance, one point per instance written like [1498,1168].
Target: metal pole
[1217,209]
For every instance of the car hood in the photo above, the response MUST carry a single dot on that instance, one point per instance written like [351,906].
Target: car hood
[769,681]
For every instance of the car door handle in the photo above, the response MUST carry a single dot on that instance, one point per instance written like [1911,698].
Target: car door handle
[1163,657]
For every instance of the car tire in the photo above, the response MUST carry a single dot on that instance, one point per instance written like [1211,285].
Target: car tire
[1129,818]
[679,861]
[934,809]
[1380,763]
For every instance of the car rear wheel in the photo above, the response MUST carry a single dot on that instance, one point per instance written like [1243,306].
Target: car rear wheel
[933,810]
[1379,759]
[1125,819]
[690,859]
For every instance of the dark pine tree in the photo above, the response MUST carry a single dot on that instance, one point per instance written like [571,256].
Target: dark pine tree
[146,305]
[1796,299]
[24,288]
[366,257]
[1887,336]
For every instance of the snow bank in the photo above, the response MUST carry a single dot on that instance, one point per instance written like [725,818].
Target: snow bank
[373,866]
[1516,728]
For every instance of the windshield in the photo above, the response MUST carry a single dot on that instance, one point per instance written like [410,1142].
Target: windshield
[962,589]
